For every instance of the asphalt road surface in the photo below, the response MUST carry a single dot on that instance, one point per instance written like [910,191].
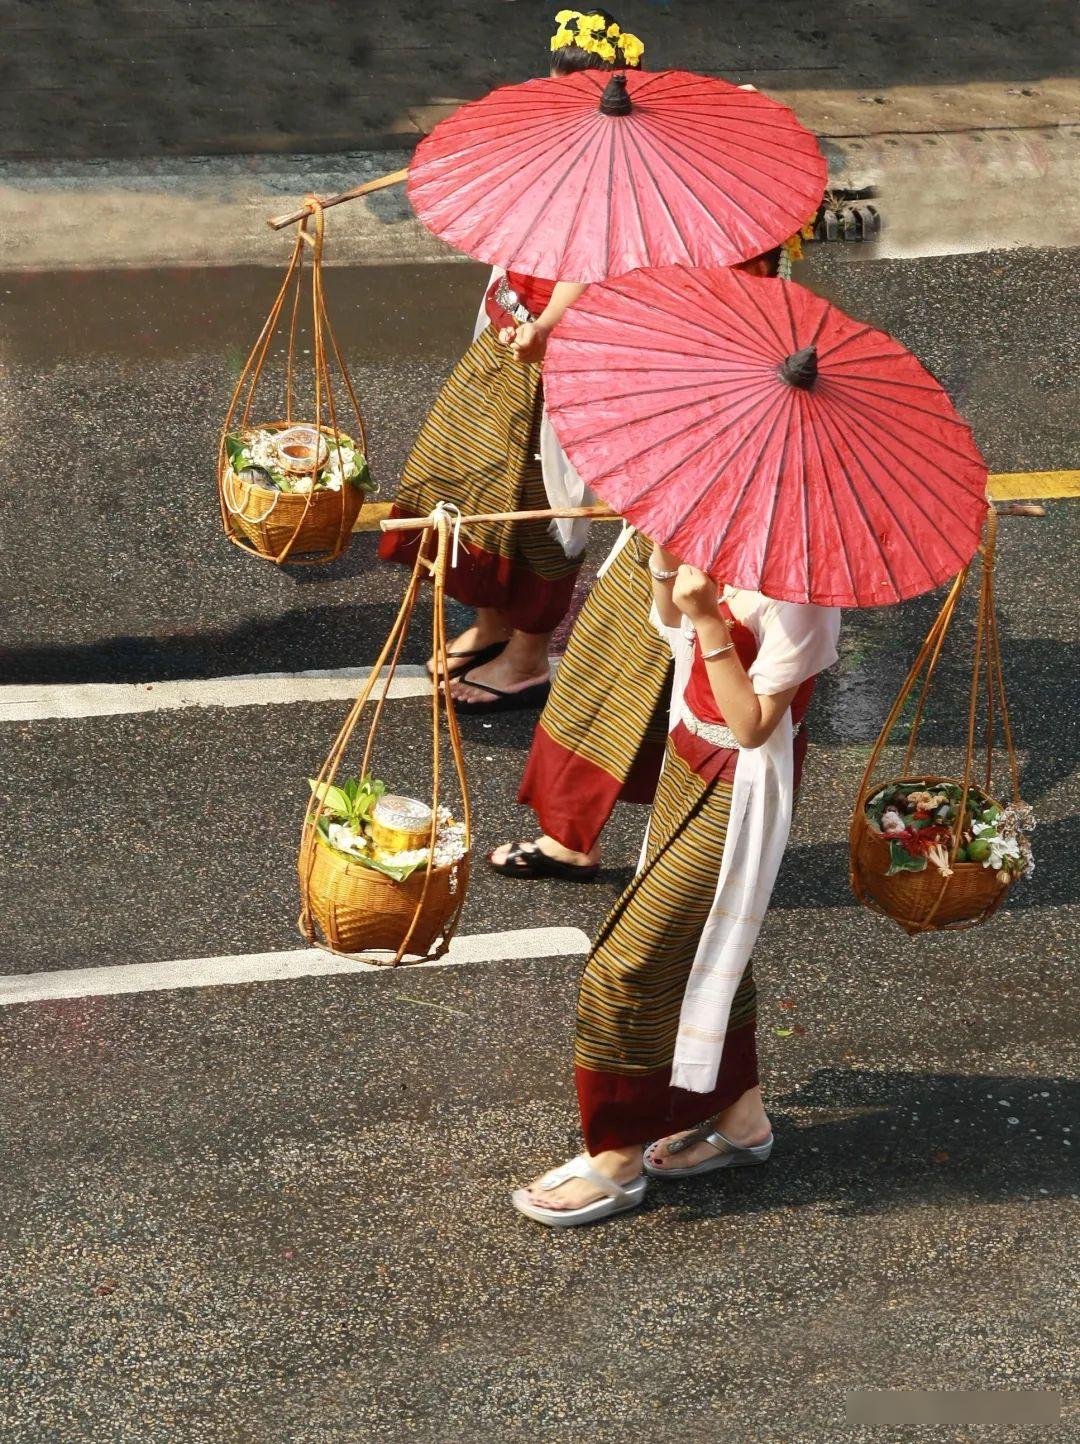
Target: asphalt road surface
[277,1210]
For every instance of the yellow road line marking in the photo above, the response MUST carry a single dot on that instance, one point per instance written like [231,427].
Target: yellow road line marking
[1034,485]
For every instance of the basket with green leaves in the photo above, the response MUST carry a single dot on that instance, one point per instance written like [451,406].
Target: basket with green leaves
[934,851]
[291,490]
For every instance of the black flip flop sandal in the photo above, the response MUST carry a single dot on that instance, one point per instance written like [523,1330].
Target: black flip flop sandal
[473,659]
[525,859]
[525,700]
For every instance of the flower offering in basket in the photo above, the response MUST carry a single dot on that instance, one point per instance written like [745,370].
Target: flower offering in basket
[291,490]
[380,873]
[941,852]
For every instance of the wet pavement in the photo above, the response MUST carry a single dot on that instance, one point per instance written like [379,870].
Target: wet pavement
[277,1212]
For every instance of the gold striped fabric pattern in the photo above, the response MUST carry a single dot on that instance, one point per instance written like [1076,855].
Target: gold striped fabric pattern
[478,449]
[632,989]
[610,695]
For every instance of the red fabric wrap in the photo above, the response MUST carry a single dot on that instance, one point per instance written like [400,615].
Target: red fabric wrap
[533,294]
[573,798]
[482,579]
[620,1110]
[705,758]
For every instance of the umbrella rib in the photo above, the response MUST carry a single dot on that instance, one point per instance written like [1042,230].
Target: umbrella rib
[748,290]
[845,341]
[468,191]
[560,407]
[933,389]
[777,407]
[853,490]
[733,176]
[874,414]
[833,424]
[706,120]
[672,436]
[872,442]
[792,401]
[722,136]
[840,530]
[568,339]
[626,425]
[530,226]
[577,208]
[538,130]
[863,401]
[807,548]
[714,339]
[634,370]
[636,140]
[786,293]
[693,277]
[768,338]
[631,180]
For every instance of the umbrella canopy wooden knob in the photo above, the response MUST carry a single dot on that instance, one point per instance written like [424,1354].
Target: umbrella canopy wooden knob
[800,368]
[615,100]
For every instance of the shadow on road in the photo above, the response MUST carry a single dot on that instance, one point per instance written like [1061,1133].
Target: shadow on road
[901,1139]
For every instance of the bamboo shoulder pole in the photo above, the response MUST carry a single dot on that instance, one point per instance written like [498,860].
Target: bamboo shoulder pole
[278,223]
[424,523]
[598,513]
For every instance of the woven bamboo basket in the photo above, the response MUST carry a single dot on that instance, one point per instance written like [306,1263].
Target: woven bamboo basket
[928,901]
[911,898]
[289,524]
[302,528]
[355,909]
[358,910]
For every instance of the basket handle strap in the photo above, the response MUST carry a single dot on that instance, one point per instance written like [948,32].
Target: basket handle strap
[930,648]
[228,484]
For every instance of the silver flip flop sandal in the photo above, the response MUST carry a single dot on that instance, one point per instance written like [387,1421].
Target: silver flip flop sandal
[729,1155]
[619,1196]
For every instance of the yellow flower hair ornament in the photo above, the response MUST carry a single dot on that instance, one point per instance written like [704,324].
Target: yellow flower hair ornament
[589,32]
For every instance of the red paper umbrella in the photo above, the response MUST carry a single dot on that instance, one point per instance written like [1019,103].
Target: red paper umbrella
[759,433]
[590,175]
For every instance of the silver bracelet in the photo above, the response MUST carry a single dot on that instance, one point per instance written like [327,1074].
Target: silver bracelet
[662,576]
[717,652]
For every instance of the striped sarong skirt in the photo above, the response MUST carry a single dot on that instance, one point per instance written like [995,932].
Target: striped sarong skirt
[479,450]
[601,735]
[632,988]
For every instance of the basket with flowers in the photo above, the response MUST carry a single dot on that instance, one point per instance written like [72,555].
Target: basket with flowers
[942,852]
[382,874]
[379,860]
[291,490]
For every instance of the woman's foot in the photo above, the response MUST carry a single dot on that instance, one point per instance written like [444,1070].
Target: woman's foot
[483,633]
[745,1123]
[552,849]
[522,663]
[621,1164]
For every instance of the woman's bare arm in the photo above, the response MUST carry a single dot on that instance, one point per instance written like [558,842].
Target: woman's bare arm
[528,342]
[751,717]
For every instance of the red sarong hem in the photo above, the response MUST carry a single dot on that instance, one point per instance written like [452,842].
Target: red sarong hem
[530,602]
[622,1110]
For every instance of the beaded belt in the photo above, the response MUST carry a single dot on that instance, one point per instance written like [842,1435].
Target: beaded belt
[715,732]
[508,299]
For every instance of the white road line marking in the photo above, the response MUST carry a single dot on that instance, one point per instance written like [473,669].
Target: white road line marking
[259,689]
[103,699]
[274,967]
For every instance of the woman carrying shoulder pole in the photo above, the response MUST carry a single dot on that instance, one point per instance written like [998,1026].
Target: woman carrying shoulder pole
[665,1058]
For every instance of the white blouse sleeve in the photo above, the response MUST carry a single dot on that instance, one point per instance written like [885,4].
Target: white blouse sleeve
[797,641]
